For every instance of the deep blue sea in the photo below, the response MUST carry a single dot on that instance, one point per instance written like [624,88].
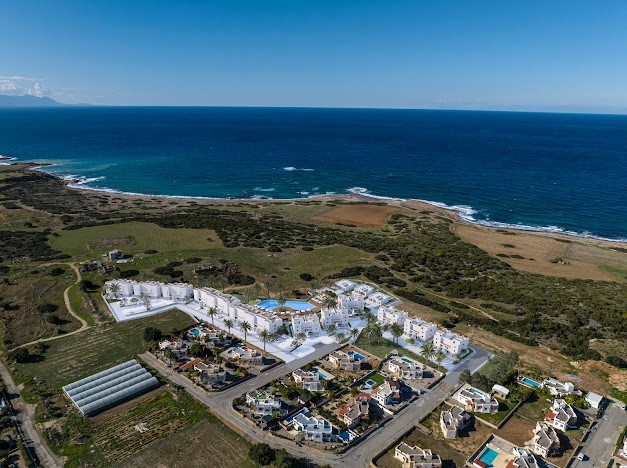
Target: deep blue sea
[556,172]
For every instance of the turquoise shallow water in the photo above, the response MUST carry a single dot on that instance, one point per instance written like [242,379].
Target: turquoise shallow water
[553,172]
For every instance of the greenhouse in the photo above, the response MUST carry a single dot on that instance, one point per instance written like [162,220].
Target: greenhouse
[110,387]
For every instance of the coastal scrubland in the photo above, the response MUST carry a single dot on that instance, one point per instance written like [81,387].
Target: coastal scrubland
[417,254]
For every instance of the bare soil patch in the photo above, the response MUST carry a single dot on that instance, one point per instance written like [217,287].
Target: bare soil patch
[551,256]
[358,215]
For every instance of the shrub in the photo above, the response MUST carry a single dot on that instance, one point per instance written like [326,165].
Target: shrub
[261,453]
[616,361]
[57,271]
[307,277]
[152,334]
[47,308]
[128,273]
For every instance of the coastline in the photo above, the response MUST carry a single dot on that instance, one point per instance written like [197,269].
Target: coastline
[460,213]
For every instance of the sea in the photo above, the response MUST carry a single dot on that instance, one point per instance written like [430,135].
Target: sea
[562,173]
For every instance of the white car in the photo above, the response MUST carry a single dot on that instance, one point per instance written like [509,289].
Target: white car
[581,456]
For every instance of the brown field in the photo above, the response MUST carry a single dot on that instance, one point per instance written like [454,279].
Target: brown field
[582,260]
[517,430]
[359,215]
[199,445]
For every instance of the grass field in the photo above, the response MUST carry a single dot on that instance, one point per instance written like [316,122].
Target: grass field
[384,347]
[145,425]
[132,238]
[217,446]
[77,356]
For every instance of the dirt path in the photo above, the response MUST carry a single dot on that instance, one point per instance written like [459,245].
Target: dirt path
[72,312]
[25,418]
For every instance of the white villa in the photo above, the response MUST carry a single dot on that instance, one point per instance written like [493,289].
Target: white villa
[417,328]
[476,400]
[352,302]
[344,361]
[336,316]
[308,324]
[449,342]
[389,315]
[263,403]
[363,289]
[211,372]
[313,428]
[561,416]
[387,393]
[377,299]
[244,356]
[357,412]
[405,368]
[415,457]
[545,441]
[343,286]
[307,380]
[557,387]
[454,420]
[523,458]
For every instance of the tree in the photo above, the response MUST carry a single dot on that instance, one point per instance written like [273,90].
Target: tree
[114,289]
[428,350]
[396,330]
[245,327]
[354,333]
[261,453]
[152,334]
[229,324]
[340,337]
[330,300]
[331,329]
[198,350]
[465,376]
[212,312]
[265,335]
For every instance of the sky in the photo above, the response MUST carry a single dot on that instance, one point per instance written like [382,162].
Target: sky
[531,55]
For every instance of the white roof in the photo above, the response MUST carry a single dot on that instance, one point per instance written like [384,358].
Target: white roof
[499,388]
[594,397]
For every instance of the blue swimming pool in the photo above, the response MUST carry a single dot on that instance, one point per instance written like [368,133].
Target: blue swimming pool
[356,355]
[529,382]
[296,305]
[488,456]
[407,360]
[195,331]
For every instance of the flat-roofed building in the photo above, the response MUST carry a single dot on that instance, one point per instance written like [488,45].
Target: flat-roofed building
[416,328]
[336,316]
[308,324]
[389,315]
[405,368]
[449,342]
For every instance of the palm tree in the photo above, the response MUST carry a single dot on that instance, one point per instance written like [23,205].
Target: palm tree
[428,350]
[374,332]
[331,329]
[340,337]
[281,299]
[302,336]
[146,303]
[396,330]
[229,323]
[212,312]
[114,289]
[265,335]
[245,327]
[354,333]
[330,300]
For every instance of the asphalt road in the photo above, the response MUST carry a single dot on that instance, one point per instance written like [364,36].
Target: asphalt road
[25,422]
[360,455]
[601,443]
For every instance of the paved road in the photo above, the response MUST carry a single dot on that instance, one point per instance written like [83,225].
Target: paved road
[601,443]
[359,455]
[25,416]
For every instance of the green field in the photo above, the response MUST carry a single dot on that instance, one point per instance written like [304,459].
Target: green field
[384,347]
[74,357]
[132,238]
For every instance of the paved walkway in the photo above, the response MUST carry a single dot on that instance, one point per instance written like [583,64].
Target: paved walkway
[70,309]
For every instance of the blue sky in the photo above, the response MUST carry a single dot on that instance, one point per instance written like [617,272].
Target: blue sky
[409,54]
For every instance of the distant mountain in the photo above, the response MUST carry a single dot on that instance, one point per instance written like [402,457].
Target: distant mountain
[28,101]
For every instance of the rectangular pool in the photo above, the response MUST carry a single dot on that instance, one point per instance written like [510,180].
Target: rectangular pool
[488,456]
[529,382]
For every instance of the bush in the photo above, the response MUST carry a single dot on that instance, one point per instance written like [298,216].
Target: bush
[57,271]
[307,277]
[128,273]
[152,334]
[616,362]
[151,251]
[47,308]
[261,453]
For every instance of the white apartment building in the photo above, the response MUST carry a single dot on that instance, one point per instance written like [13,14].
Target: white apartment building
[177,291]
[449,342]
[308,324]
[561,416]
[258,317]
[416,328]
[363,289]
[377,299]
[351,301]
[336,316]
[558,388]
[389,315]
[476,400]
[314,428]
[343,286]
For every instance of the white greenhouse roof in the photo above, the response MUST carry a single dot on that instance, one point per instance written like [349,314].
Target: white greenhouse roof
[110,387]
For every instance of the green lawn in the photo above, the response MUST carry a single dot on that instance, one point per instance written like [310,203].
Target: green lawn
[132,238]
[77,298]
[495,418]
[74,357]
[384,347]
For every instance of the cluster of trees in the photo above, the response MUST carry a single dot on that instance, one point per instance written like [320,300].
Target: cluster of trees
[503,373]
[30,244]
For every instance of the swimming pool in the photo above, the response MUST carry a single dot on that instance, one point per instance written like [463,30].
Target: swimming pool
[296,305]
[195,331]
[529,382]
[407,360]
[356,355]
[488,456]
